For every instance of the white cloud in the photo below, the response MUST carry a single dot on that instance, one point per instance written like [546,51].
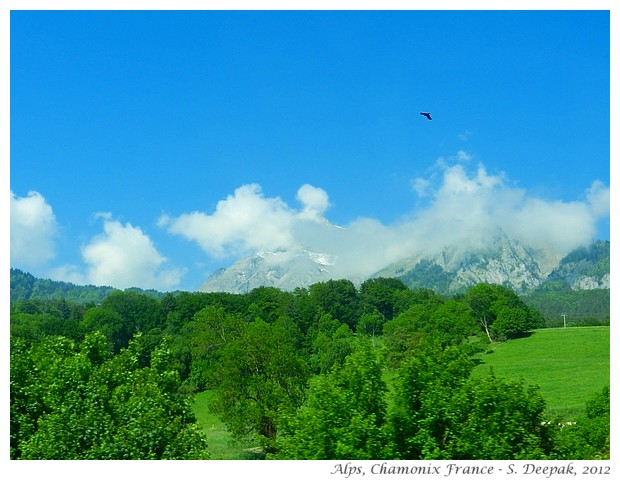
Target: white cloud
[565,225]
[465,205]
[33,228]
[598,198]
[314,200]
[244,222]
[122,256]
[69,273]
[469,207]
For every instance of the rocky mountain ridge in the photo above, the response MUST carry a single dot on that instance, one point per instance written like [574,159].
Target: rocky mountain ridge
[585,268]
[271,269]
[501,261]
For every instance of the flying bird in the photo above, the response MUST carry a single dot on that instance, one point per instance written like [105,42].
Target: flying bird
[426,114]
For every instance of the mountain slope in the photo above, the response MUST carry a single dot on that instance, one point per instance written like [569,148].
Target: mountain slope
[282,270]
[501,261]
[585,268]
[24,286]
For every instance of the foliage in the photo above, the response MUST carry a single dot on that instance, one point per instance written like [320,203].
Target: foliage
[493,419]
[427,274]
[259,378]
[370,324]
[25,286]
[117,330]
[555,297]
[425,385]
[302,373]
[77,401]
[141,312]
[593,260]
[385,295]
[588,437]
[34,327]
[440,413]
[403,333]
[500,312]
[331,345]
[199,342]
[267,303]
[344,416]
[339,298]
[581,307]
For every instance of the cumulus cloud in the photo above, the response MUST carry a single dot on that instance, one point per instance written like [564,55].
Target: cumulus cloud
[244,222]
[122,256]
[472,206]
[314,200]
[33,228]
[465,205]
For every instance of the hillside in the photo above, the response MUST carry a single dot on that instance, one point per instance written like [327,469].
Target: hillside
[585,268]
[569,364]
[451,270]
[577,290]
[500,261]
[25,286]
[309,351]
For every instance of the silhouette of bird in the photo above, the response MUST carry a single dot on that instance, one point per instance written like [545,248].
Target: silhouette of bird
[426,114]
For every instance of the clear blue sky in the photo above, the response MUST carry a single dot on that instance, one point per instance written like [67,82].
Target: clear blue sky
[172,143]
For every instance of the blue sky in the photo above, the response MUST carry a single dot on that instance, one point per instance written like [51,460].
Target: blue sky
[151,148]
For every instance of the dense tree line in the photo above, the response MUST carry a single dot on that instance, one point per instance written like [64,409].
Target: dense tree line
[581,307]
[302,372]
[25,286]
[552,299]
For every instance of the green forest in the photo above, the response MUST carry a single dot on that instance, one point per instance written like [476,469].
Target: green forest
[332,371]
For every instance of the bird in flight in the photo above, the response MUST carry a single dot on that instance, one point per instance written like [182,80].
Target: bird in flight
[426,114]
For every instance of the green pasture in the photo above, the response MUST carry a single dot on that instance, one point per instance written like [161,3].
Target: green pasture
[221,444]
[569,365]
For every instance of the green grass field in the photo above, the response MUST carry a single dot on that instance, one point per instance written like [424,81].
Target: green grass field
[569,365]
[221,445]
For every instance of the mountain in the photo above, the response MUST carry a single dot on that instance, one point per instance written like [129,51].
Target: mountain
[577,291]
[585,268]
[24,286]
[282,270]
[501,260]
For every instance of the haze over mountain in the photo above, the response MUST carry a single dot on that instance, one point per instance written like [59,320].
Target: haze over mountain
[460,208]
[462,211]
[500,261]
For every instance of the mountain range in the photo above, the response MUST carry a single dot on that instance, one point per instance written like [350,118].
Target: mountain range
[501,260]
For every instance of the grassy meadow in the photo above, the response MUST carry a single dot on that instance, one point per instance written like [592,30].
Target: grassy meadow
[220,441]
[568,364]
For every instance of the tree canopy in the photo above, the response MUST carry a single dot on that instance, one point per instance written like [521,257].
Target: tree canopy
[332,371]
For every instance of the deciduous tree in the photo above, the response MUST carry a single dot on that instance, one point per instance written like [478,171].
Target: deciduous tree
[76,401]
[344,416]
[260,377]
